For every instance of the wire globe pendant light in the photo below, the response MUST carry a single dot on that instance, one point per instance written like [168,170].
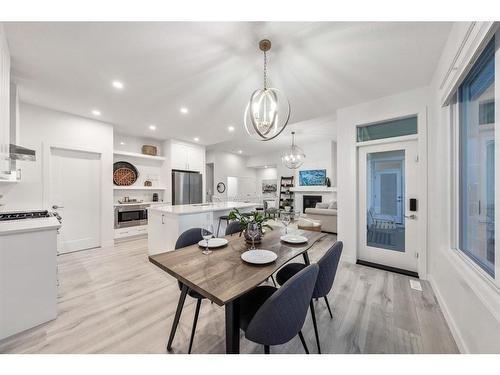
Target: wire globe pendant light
[268,110]
[294,157]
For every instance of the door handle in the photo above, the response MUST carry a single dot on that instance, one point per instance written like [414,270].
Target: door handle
[55,207]
[412,217]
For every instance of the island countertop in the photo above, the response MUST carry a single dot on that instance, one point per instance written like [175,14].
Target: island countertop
[188,209]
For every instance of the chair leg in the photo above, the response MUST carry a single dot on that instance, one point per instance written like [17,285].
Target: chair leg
[193,330]
[178,312]
[303,342]
[328,305]
[315,326]
[266,349]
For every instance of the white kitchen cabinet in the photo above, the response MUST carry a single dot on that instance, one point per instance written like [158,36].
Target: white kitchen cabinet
[187,157]
[4,101]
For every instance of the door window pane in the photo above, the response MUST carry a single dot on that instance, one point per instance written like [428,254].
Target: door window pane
[385,198]
[387,129]
[477,162]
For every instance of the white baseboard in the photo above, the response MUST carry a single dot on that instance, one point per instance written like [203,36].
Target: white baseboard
[455,331]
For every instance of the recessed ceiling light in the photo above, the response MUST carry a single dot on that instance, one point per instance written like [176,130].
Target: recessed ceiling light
[230,128]
[152,127]
[196,139]
[117,85]
[184,110]
[122,143]
[96,112]
[265,166]
[240,152]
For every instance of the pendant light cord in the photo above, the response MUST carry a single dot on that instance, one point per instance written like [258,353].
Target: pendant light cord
[265,70]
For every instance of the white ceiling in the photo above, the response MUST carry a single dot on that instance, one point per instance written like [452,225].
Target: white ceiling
[212,68]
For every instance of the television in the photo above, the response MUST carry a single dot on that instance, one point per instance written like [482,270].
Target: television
[314,177]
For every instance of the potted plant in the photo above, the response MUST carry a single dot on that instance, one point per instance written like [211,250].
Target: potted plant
[247,218]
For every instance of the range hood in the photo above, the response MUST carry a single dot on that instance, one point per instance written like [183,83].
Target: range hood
[21,153]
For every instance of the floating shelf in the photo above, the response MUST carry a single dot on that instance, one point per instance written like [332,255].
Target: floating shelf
[138,155]
[139,188]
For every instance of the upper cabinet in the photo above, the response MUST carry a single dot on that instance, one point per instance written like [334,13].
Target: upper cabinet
[4,101]
[187,157]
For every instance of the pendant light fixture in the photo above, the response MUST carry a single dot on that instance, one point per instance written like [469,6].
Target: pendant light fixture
[268,110]
[294,157]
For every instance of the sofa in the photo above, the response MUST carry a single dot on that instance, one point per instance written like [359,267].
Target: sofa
[326,213]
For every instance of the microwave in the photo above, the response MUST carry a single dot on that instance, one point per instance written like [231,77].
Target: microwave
[131,216]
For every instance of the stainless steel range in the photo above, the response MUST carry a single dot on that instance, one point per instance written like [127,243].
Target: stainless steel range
[19,215]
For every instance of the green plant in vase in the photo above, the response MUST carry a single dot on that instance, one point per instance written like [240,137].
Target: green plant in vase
[254,217]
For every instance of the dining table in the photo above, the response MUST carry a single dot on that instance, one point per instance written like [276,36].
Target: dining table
[222,276]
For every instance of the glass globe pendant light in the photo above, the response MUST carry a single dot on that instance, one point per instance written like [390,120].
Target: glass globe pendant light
[268,110]
[294,157]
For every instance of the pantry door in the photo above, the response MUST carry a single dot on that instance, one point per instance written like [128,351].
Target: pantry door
[75,193]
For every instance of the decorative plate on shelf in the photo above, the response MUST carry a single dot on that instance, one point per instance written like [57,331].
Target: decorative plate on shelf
[124,173]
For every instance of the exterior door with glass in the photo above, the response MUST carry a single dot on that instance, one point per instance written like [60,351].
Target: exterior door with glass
[388,231]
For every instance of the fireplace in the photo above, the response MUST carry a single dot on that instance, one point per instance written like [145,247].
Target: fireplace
[310,201]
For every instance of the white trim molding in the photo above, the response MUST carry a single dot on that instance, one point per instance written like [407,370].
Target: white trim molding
[455,331]
[471,46]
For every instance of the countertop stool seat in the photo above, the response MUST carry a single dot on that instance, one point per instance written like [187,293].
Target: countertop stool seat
[328,265]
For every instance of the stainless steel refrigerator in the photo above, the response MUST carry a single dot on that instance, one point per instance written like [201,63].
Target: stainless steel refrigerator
[186,187]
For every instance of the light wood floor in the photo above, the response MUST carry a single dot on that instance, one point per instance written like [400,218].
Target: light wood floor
[113,300]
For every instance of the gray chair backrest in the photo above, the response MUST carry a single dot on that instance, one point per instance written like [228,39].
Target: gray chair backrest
[328,265]
[187,238]
[190,237]
[282,316]
[233,227]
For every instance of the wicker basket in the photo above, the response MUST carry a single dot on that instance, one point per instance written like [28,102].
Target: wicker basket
[149,150]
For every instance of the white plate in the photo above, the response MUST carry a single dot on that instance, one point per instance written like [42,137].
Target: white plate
[259,256]
[293,238]
[213,242]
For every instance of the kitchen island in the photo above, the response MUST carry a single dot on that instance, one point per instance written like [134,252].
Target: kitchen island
[166,223]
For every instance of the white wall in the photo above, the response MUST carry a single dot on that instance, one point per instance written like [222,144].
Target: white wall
[266,174]
[471,305]
[400,105]
[40,128]
[231,165]
[319,155]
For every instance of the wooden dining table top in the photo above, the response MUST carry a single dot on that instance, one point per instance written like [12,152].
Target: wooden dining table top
[223,276]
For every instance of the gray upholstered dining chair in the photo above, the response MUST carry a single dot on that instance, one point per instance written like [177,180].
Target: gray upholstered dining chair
[233,227]
[328,265]
[190,237]
[271,316]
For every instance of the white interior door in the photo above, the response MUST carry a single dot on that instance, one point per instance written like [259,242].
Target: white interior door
[75,192]
[388,231]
